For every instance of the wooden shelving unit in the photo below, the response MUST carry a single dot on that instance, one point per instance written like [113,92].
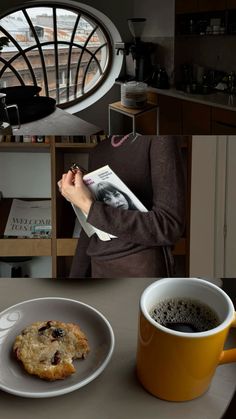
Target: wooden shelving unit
[61,246]
[193,16]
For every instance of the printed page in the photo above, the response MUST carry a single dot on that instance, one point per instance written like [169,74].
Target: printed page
[25,216]
[105,177]
[106,180]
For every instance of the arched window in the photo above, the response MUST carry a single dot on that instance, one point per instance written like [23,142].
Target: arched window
[65,51]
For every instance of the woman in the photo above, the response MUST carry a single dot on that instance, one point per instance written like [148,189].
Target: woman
[111,195]
[151,166]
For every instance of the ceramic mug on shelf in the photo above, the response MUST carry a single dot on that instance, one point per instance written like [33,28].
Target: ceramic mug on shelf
[183,326]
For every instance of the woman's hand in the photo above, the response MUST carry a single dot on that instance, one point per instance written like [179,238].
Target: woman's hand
[73,188]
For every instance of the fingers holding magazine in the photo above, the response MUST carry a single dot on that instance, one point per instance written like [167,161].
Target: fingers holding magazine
[73,188]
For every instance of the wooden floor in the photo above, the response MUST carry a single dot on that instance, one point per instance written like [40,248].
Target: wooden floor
[59,122]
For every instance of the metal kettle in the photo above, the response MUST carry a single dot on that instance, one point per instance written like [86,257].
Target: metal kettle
[5,125]
[161,79]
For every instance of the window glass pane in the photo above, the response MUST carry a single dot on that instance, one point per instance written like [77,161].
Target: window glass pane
[65,24]
[51,79]
[102,57]
[17,26]
[83,68]
[92,76]
[9,52]
[63,73]
[8,78]
[75,57]
[35,61]
[84,30]
[21,67]
[99,37]
[42,20]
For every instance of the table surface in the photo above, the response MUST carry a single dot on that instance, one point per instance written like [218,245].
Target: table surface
[116,393]
[60,122]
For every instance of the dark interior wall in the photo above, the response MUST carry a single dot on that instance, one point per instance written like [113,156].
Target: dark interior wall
[209,52]
[159,15]
[159,29]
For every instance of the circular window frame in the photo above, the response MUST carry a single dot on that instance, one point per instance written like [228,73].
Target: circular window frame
[109,31]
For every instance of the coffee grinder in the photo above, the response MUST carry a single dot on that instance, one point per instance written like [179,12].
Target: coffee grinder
[140,51]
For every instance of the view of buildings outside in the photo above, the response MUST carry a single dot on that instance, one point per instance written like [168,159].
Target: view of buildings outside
[66,56]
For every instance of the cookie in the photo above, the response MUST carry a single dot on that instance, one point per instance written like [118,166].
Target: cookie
[47,348]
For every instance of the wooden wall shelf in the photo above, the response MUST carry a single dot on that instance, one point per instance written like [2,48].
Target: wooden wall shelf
[24,146]
[25,247]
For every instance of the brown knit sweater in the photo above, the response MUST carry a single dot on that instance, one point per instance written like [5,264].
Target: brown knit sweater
[152,168]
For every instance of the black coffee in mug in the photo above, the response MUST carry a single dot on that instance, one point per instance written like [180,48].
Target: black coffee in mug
[185,315]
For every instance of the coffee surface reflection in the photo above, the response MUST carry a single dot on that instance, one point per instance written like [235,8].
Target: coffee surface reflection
[185,315]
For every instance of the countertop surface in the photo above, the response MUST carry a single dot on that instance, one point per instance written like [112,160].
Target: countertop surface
[116,393]
[217,99]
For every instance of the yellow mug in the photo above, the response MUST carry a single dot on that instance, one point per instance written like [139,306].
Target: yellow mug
[174,365]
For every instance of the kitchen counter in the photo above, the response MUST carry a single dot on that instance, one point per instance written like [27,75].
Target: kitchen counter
[116,393]
[217,99]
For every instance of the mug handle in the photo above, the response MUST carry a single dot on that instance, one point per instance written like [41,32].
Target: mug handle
[230,354]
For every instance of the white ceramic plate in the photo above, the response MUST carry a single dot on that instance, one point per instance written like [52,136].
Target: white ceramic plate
[15,380]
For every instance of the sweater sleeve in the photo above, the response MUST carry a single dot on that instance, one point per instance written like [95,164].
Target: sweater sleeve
[164,223]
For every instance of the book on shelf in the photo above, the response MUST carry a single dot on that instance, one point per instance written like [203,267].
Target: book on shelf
[29,219]
[81,139]
[33,139]
[108,187]
[8,138]
[74,139]
[25,139]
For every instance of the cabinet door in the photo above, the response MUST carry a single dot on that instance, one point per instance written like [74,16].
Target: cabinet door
[231,4]
[196,118]
[183,6]
[211,5]
[170,115]
[223,122]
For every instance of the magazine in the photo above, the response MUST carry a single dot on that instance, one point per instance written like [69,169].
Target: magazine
[29,219]
[106,186]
